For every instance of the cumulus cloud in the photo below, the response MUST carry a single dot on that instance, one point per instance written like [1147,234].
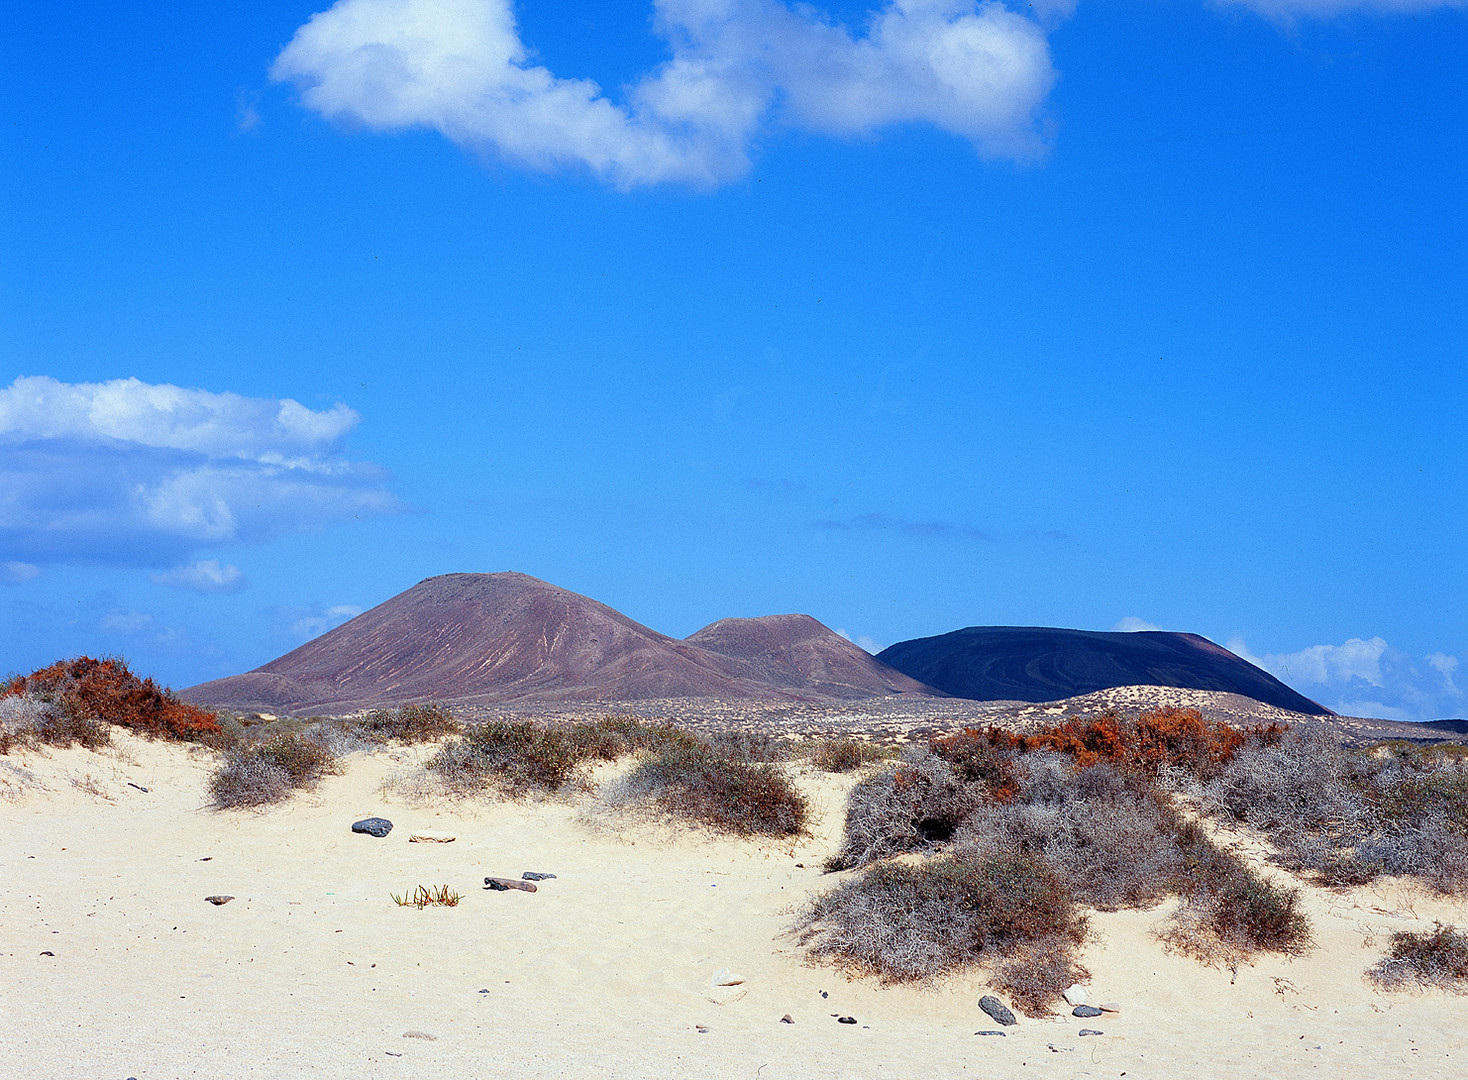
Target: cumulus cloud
[204,576]
[738,69]
[1132,625]
[131,473]
[1290,10]
[1367,677]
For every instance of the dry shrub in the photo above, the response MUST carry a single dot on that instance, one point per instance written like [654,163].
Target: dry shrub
[269,771]
[1230,910]
[1164,738]
[97,692]
[1438,960]
[409,724]
[28,721]
[694,781]
[423,897]
[903,922]
[1351,816]
[917,803]
[845,755]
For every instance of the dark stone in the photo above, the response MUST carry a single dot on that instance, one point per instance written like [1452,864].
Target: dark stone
[531,875]
[998,1010]
[1091,1031]
[218,900]
[1085,1011]
[48,952]
[1001,1034]
[373,826]
[845,1019]
[787,1019]
[138,786]
[496,885]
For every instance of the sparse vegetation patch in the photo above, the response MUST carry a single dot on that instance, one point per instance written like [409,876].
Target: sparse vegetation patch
[268,771]
[1436,960]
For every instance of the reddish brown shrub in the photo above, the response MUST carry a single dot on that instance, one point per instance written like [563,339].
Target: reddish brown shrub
[1180,738]
[105,691]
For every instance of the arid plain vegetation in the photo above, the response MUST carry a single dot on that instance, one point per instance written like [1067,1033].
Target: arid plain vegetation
[979,848]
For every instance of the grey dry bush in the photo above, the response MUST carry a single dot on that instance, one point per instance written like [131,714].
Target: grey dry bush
[408,723]
[270,770]
[1108,833]
[905,922]
[844,755]
[1437,959]
[1351,816]
[29,721]
[727,781]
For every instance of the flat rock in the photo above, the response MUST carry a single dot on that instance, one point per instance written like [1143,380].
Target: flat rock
[998,1010]
[1091,1031]
[1074,994]
[431,838]
[1001,1034]
[1109,1006]
[532,875]
[218,900]
[505,884]
[1085,1011]
[373,826]
[725,977]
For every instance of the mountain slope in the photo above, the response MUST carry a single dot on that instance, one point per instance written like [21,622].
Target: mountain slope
[1034,663]
[511,637]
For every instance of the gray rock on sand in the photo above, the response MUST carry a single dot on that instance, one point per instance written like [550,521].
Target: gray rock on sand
[531,875]
[1001,1034]
[1085,1011]
[998,1010]
[1091,1031]
[373,826]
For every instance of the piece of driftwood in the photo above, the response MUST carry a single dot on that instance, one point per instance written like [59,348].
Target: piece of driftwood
[500,884]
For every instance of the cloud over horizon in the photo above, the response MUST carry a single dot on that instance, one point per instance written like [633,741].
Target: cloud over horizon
[1367,677]
[136,474]
[738,69]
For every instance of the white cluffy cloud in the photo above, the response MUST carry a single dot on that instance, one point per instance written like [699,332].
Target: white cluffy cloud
[1287,10]
[738,68]
[1132,625]
[203,575]
[127,472]
[1367,677]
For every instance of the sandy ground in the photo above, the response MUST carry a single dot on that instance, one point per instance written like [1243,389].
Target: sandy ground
[112,965]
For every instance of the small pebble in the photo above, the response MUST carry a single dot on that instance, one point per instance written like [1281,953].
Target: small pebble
[1001,1034]
[48,952]
[1091,1031]
[787,1019]
[420,1035]
[218,900]
[845,1019]
[531,875]
[1109,1006]
[1085,1011]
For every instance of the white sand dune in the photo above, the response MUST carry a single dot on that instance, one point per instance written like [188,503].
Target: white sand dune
[312,971]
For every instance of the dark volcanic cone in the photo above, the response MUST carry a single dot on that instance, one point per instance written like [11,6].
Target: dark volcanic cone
[1035,663]
[510,637]
[796,652]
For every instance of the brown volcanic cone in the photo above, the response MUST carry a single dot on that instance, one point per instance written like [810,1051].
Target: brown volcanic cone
[796,652]
[511,637]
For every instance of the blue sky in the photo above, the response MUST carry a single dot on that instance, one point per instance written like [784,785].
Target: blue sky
[909,316]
